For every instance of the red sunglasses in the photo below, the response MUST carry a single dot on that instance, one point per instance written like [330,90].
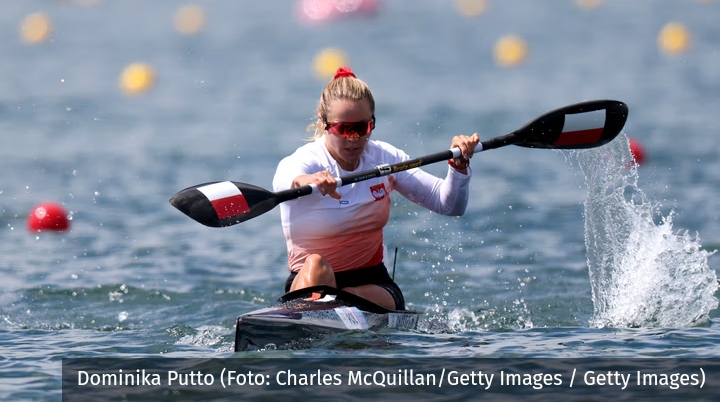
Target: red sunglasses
[350,129]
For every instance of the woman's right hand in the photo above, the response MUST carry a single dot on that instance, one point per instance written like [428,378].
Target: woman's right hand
[325,182]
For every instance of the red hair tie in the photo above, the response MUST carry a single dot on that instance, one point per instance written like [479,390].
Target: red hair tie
[344,72]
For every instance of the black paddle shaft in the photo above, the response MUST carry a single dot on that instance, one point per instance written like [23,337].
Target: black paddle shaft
[579,126]
[378,171]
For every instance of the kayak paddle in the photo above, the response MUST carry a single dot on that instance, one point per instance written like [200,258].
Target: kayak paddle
[579,126]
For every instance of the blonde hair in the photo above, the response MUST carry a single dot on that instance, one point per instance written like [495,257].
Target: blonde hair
[342,88]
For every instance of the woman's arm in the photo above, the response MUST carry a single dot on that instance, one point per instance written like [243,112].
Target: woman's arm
[447,196]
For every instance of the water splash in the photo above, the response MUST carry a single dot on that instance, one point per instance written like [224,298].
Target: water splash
[446,307]
[642,273]
[510,316]
[203,336]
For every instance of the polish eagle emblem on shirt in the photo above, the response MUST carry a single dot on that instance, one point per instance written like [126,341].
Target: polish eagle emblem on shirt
[378,191]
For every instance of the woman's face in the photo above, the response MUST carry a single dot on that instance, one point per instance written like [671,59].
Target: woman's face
[347,149]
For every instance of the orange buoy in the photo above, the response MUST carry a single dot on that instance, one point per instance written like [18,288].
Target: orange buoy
[136,78]
[36,28]
[48,216]
[510,50]
[190,19]
[674,39]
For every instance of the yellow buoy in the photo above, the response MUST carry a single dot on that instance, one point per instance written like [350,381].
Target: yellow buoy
[136,78]
[673,39]
[510,50]
[589,4]
[189,19]
[471,8]
[35,28]
[328,61]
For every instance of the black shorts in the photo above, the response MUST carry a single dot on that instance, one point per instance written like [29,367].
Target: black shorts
[377,275]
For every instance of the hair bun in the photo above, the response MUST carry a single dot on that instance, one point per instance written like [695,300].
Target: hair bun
[344,71]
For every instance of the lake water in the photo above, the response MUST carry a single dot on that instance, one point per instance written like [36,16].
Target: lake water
[560,254]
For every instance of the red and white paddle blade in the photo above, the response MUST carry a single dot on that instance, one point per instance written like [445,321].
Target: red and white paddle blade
[579,126]
[223,203]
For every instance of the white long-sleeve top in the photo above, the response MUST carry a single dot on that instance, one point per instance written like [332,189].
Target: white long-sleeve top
[349,232]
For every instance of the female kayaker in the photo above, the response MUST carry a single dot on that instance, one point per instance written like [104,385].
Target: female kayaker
[338,241]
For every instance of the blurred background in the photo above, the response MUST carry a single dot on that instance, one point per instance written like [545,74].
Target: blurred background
[109,107]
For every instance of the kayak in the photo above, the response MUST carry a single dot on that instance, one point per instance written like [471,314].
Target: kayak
[305,315]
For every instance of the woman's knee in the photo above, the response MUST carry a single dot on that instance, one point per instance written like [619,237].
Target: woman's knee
[317,264]
[315,261]
[315,271]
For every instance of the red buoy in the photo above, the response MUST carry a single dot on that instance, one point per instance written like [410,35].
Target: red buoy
[48,216]
[637,151]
